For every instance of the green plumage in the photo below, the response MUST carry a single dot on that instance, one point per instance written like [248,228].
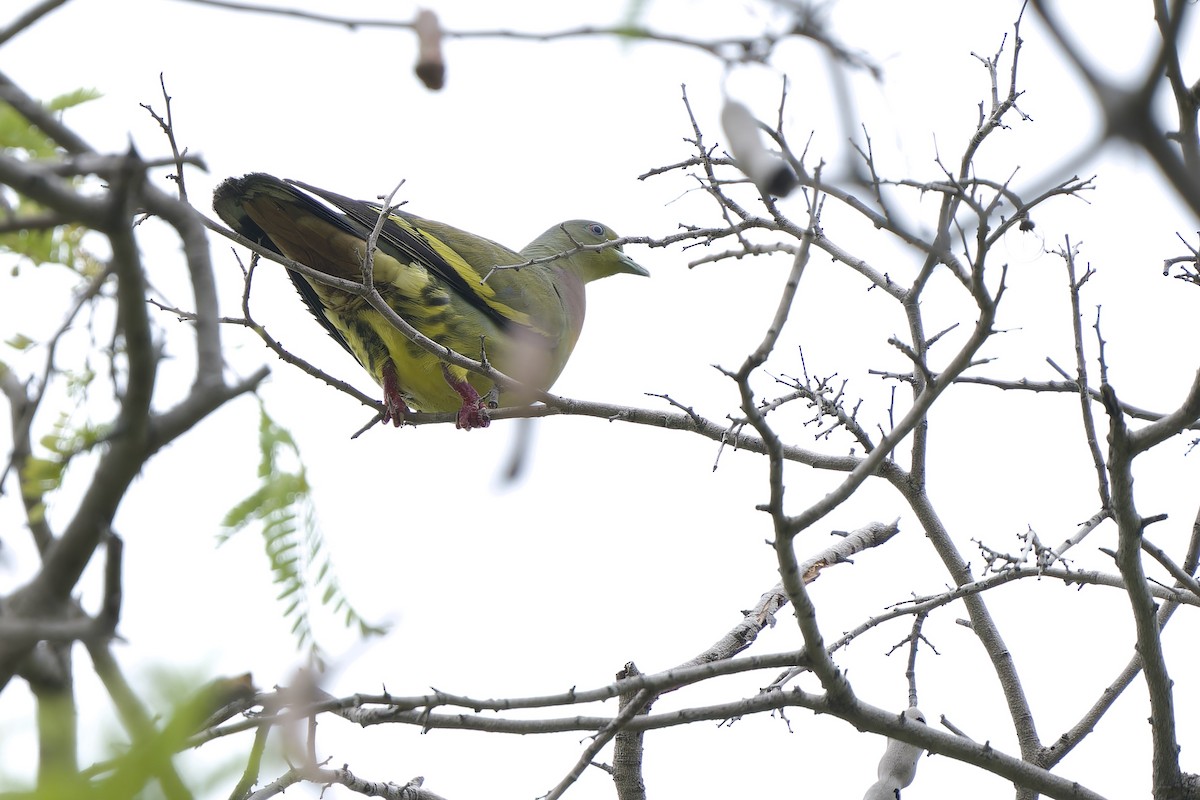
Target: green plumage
[526,320]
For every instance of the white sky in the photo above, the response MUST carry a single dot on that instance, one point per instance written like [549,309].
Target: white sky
[622,543]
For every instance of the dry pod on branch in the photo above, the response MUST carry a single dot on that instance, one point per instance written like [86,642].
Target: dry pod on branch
[898,766]
[431,67]
[770,173]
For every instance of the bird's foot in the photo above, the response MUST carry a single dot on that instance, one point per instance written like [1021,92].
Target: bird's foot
[394,407]
[473,413]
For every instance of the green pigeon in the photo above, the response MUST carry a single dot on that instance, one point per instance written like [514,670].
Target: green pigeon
[439,279]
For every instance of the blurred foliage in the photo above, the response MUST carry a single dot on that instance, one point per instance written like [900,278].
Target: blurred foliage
[634,10]
[299,559]
[37,236]
[32,232]
[138,769]
[631,20]
[44,474]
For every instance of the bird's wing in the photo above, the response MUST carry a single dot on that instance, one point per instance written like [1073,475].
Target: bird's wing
[411,239]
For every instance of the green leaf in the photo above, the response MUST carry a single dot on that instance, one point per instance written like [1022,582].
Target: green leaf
[295,548]
[39,243]
[41,475]
[20,342]
[72,99]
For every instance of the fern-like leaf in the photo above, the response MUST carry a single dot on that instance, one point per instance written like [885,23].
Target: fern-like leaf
[295,547]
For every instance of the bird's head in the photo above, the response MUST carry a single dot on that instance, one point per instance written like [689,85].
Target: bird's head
[588,264]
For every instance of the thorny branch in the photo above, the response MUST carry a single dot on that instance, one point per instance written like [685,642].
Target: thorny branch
[958,242]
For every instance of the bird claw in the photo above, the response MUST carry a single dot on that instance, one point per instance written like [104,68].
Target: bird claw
[473,413]
[472,416]
[394,410]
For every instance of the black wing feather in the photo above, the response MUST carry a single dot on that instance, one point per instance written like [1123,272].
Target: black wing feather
[413,247]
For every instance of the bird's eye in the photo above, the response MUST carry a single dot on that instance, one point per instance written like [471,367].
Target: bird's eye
[596,228]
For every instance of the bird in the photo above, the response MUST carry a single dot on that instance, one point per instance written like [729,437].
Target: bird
[521,311]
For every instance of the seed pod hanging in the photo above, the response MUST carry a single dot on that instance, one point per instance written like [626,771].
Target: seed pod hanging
[770,173]
[431,67]
[898,766]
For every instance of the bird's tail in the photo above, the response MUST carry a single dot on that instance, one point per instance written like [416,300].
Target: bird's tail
[279,216]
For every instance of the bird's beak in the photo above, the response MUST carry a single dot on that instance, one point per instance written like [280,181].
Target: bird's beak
[631,266]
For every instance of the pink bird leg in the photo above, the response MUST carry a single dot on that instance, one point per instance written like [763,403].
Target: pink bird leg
[473,413]
[394,407]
